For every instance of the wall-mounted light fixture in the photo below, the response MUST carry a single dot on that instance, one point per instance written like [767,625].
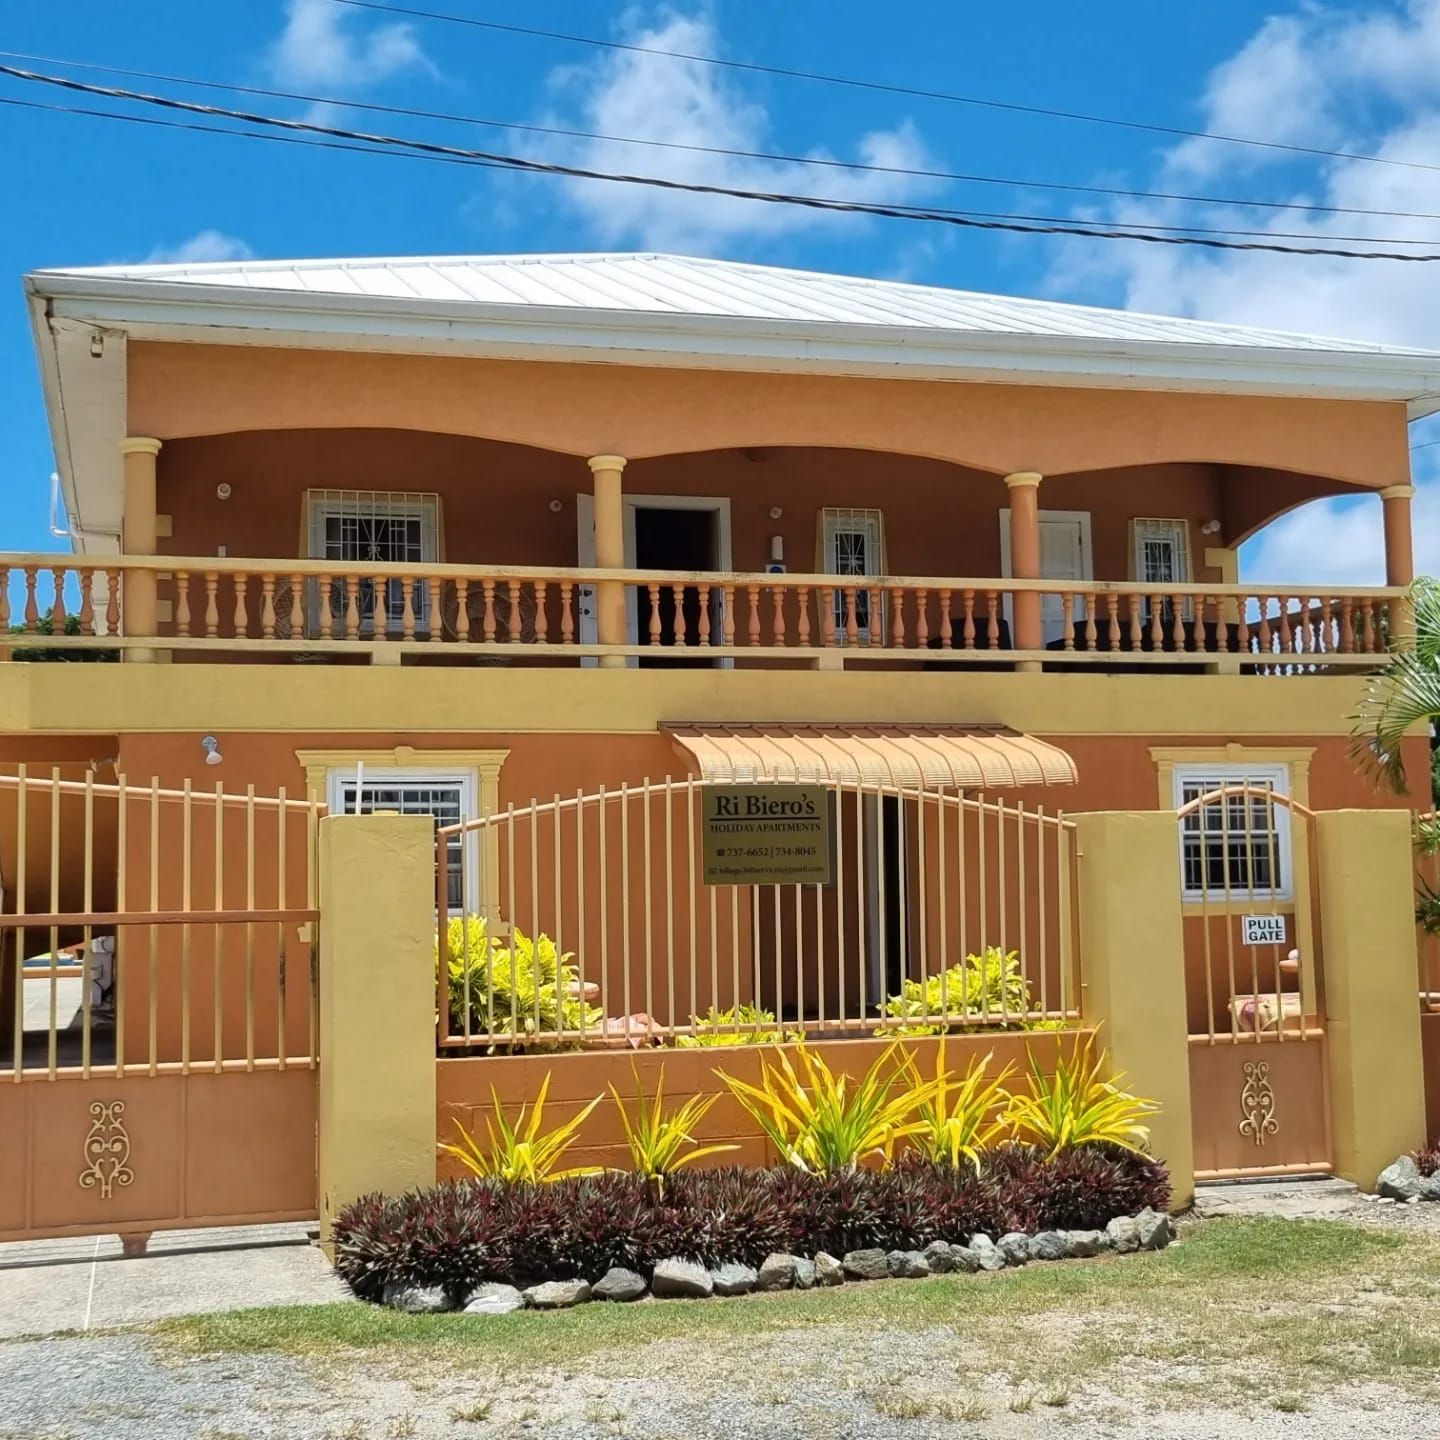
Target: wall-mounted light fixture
[776,511]
[223,491]
[1210,527]
[556,506]
[211,746]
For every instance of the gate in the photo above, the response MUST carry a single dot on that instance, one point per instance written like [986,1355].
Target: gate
[587,920]
[158,1017]
[1254,970]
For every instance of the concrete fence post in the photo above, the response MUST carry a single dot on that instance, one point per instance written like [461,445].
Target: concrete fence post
[1371,977]
[1133,955]
[377,1007]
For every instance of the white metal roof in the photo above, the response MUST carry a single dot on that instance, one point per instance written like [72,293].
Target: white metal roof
[672,285]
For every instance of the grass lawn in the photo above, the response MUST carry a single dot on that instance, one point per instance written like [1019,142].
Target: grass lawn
[1268,1312]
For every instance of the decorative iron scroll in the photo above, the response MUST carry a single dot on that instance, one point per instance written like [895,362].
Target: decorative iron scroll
[1257,1103]
[107,1149]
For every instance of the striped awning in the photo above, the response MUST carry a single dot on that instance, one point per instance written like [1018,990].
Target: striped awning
[909,757]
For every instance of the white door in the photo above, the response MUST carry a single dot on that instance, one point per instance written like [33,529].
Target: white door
[1064,555]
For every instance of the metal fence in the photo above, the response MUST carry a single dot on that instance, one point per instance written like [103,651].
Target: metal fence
[147,930]
[587,920]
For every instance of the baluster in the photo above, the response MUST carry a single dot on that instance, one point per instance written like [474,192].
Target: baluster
[4,598]
[435,588]
[1177,625]
[240,622]
[897,618]
[1371,645]
[1088,601]
[967,619]
[654,592]
[1112,622]
[1157,632]
[992,618]
[947,628]
[57,610]
[1242,633]
[542,620]
[682,625]
[212,604]
[876,606]
[489,594]
[1198,606]
[1287,634]
[727,616]
[754,633]
[1347,625]
[1325,629]
[852,624]
[1267,636]
[1134,605]
[567,612]
[407,607]
[827,615]
[87,607]
[462,610]
[802,624]
[1067,611]
[327,612]
[705,615]
[352,606]
[182,602]
[112,603]
[777,607]
[32,609]
[267,606]
[922,620]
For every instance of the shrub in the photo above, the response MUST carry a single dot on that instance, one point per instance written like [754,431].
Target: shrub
[1076,1106]
[820,1121]
[464,1232]
[659,1143]
[988,985]
[521,1151]
[963,1119]
[1427,1157]
[741,1025]
[527,985]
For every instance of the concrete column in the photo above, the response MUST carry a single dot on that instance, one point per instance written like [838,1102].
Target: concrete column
[138,537]
[1133,944]
[377,1007]
[1399,551]
[1025,561]
[1372,1018]
[611,627]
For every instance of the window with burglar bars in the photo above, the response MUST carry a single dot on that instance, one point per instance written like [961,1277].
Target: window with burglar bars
[447,799]
[374,526]
[852,542]
[1239,846]
[1162,559]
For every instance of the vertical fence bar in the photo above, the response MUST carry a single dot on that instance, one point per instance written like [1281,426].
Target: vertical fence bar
[122,945]
[581,939]
[626,967]
[691,881]
[250,927]
[559,904]
[671,1017]
[534,837]
[510,919]
[53,1035]
[282,824]
[604,898]
[87,975]
[22,805]
[942,875]
[312,851]
[153,930]
[647,870]
[981,847]
[217,949]
[185,903]
[1042,826]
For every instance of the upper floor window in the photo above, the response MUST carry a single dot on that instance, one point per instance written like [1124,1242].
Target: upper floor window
[852,542]
[1237,847]
[1162,560]
[362,527]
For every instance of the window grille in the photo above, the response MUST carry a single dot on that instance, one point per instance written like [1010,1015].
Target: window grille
[1162,559]
[852,542]
[1240,845]
[373,527]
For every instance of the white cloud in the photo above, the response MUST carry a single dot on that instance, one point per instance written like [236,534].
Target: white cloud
[1355,81]
[206,245]
[689,103]
[324,44]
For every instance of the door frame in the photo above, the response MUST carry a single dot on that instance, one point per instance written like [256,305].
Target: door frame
[1087,552]
[719,505]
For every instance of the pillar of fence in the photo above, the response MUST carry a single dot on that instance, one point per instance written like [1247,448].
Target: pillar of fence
[1133,942]
[377,1007]
[1372,1022]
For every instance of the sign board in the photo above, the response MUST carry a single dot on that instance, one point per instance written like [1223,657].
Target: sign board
[1262,929]
[767,835]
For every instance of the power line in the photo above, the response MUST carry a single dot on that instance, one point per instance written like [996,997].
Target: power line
[820,161]
[885,87]
[420,149]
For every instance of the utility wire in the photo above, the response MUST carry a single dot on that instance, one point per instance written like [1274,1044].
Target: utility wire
[821,161]
[1018,224]
[858,83]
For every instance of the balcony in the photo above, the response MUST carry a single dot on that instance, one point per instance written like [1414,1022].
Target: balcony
[140,608]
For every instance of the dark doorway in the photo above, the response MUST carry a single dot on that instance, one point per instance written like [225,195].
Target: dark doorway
[672,540]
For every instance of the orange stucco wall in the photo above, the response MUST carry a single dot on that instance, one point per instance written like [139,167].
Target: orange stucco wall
[181,390]
[496,498]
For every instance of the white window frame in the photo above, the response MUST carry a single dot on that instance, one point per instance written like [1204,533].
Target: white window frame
[1145,528]
[339,778]
[840,520]
[328,504]
[1214,777]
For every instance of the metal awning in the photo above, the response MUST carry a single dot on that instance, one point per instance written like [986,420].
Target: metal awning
[910,757]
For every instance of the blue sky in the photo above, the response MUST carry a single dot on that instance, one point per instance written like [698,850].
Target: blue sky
[1361,78]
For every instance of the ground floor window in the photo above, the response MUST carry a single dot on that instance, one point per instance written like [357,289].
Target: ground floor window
[1238,847]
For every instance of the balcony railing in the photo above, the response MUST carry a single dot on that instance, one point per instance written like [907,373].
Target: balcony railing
[154,604]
